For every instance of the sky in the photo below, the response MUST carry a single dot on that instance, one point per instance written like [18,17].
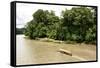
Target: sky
[24,11]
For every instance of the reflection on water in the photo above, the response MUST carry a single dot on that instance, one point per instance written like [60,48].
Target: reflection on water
[38,52]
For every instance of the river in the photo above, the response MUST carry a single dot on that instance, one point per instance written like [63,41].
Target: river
[39,52]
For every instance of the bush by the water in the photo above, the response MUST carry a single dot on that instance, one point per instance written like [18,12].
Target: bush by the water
[77,24]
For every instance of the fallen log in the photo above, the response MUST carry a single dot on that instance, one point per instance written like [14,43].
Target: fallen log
[70,54]
[65,52]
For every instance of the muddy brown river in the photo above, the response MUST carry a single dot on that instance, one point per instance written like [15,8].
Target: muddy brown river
[39,52]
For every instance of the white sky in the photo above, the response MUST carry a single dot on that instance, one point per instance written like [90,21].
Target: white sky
[24,11]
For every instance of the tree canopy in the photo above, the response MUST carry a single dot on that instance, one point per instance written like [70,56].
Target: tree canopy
[77,24]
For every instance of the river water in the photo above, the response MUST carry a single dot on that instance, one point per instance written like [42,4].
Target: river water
[39,52]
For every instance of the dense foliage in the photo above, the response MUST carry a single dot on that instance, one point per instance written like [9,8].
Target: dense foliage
[77,24]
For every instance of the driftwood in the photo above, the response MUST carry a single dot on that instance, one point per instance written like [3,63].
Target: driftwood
[65,52]
[70,54]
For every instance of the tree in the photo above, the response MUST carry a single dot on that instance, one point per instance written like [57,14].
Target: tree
[77,24]
[30,29]
[78,21]
[40,16]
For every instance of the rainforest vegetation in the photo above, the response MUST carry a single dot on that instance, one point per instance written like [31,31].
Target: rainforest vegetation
[77,24]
